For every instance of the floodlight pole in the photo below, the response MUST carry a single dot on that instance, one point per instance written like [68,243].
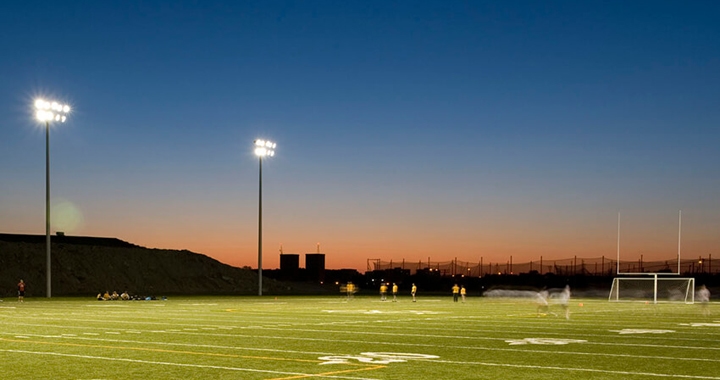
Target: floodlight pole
[262,148]
[46,112]
[260,227]
[47,207]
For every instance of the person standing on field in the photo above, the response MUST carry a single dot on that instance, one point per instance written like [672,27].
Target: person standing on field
[350,289]
[21,291]
[383,292]
[413,291]
[456,292]
[395,292]
[462,293]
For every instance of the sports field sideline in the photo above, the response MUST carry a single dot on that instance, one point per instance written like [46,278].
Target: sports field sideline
[331,338]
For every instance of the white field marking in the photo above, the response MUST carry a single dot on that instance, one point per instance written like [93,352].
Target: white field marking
[184,345]
[198,304]
[7,307]
[375,358]
[208,328]
[494,348]
[365,333]
[188,329]
[399,334]
[112,332]
[687,336]
[415,312]
[68,335]
[570,369]
[22,337]
[133,332]
[700,324]
[544,341]
[158,331]
[270,303]
[107,305]
[116,359]
[173,330]
[642,331]
[91,334]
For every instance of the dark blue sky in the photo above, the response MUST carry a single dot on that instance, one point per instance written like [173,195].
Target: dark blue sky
[404,129]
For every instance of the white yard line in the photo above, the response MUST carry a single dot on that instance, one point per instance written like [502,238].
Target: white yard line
[116,359]
[570,369]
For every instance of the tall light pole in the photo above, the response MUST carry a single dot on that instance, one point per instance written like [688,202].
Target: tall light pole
[263,148]
[46,112]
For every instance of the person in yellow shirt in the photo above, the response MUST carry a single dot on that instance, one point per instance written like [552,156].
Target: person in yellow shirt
[462,293]
[413,291]
[350,289]
[395,291]
[456,292]
[383,292]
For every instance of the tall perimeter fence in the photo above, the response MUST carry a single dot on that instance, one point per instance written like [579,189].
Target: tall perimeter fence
[564,267]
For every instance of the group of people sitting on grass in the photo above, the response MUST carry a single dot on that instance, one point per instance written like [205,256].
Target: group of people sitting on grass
[114,296]
[107,296]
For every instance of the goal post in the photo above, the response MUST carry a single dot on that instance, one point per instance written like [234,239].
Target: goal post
[652,287]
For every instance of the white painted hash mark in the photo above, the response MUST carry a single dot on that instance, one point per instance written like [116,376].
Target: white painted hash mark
[642,331]
[544,341]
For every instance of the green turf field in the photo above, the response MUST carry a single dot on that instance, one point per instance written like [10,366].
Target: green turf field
[330,338]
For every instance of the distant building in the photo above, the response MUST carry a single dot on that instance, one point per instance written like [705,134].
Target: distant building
[289,266]
[315,266]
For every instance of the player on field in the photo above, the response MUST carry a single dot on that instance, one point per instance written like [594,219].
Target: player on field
[703,296]
[462,293]
[350,290]
[395,292]
[21,291]
[542,303]
[456,292]
[564,300]
[413,291]
[383,292]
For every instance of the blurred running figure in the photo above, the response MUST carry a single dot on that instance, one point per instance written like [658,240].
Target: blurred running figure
[413,291]
[542,303]
[462,293]
[703,296]
[21,291]
[565,301]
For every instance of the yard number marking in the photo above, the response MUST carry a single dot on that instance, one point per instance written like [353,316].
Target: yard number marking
[375,358]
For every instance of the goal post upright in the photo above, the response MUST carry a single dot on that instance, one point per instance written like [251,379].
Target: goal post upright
[679,236]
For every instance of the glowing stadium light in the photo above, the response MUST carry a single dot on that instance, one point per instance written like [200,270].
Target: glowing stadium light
[263,148]
[51,111]
[46,112]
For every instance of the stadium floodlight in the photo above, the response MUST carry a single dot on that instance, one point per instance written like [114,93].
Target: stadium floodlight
[46,112]
[263,148]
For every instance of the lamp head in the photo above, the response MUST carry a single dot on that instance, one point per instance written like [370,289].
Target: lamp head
[264,148]
[51,111]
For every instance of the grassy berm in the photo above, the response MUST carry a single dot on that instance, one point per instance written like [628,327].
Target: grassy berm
[85,266]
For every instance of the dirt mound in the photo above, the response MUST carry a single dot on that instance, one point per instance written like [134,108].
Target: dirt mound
[87,266]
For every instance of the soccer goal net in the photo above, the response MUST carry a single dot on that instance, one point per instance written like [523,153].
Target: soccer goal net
[653,288]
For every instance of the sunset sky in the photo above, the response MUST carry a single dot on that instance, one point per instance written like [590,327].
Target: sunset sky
[405,130]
